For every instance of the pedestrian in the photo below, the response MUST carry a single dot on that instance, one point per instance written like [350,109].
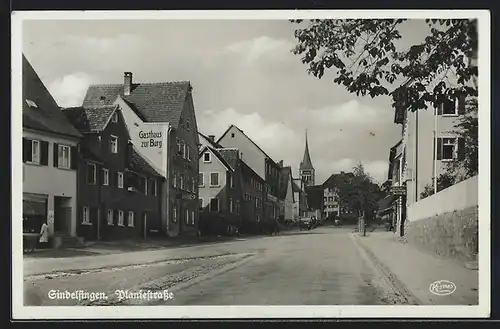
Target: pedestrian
[44,235]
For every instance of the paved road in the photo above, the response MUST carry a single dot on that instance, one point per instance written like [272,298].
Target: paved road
[322,266]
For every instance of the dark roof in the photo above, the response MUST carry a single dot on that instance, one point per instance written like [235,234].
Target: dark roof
[89,120]
[337,179]
[139,164]
[255,144]
[214,144]
[219,156]
[314,195]
[153,102]
[306,161]
[46,116]
[230,155]
[246,167]
[284,175]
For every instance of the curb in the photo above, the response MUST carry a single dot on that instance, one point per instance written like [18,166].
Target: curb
[390,278]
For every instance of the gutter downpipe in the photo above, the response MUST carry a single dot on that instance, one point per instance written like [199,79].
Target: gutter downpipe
[167,181]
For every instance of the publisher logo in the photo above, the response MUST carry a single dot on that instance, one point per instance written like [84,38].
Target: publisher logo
[442,288]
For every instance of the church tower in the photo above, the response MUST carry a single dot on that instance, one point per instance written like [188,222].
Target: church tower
[306,169]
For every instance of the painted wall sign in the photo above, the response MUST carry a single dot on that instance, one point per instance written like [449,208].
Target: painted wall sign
[151,138]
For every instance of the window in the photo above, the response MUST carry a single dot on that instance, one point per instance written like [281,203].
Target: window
[63,157]
[114,144]
[188,153]
[231,180]
[206,157]
[187,216]
[35,151]
[192,217]
[214,204]
[449,148]
[120,218]
[86,216]
[174,180]
[238,207]
[450,107]
[194,186]
[146,186]
[232,135]
[175,214]
[200,203]
[91,174]
[330,198]
[131,219]
[325,199]
[114,118]
[214,179]
[155,187]
[120,180]
[188,124]
[181,181]
[179,146]
[230,205]
[110,217]
[257,218]
[105,177]
[184,151]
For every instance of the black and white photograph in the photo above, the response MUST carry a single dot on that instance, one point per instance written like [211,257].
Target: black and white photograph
[246,164]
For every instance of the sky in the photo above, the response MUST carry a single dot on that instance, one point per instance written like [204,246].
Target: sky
[242,73]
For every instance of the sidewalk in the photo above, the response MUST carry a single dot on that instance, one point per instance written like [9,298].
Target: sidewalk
[416,270]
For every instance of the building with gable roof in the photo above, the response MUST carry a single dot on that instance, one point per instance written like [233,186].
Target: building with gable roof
[230,192]
[261,163]
[161,122]
[118,190]
[286,194]
[50,152]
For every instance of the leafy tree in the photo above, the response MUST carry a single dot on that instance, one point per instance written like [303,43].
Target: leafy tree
[357,191]
[364,56]
[467,128]
[444,180]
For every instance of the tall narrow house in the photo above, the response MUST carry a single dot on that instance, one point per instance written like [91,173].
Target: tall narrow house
[50,150]
[161,123]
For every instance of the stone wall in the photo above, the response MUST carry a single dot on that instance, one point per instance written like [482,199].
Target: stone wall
[451,234]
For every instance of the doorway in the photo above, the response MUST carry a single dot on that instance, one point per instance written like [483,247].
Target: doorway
[62,214]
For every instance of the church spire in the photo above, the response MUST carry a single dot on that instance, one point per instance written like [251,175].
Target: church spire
[306,161]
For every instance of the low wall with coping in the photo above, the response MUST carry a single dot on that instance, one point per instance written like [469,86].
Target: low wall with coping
[446,223]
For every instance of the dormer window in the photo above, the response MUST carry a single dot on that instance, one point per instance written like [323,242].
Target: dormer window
[31,103]
[206,157]
[114,118]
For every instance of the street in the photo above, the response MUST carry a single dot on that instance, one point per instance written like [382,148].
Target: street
[319,267]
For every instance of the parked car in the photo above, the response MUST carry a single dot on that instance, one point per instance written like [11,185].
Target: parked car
[305,223]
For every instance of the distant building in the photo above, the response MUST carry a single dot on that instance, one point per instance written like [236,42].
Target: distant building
[161,121]
[286,194]
[332,204]
[306,170]
[50,161]
[300,199]
[315,202]
[207,141]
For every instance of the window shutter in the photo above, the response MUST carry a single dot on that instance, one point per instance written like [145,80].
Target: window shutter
[56,155]
[74,157]
[461,105]
[461,149]
[439,149]
[44,153]
[27,149]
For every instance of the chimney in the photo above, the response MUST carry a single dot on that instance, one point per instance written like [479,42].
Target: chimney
[212,138]
[127,83]
[281,163]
